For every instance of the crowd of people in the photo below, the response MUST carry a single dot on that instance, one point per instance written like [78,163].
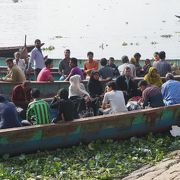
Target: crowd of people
[111,89]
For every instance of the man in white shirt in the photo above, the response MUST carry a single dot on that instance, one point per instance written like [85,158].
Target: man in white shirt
[113,99]
[19,62]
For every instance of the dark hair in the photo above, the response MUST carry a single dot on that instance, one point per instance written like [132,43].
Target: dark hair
[125,59]
[37,40]
[127,68]
[74,61]
[111,58]
[35,93]
[103,62]
[162,55]
[156,53]
[2,98]
[112,84]
[67,50]
[90,53]
[48,62]
[169,76]
[142,83]
[63,93]
[9,60]
[137,55]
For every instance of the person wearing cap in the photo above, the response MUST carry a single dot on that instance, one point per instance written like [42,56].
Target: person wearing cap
[171,90]
[151,95]
[8,114]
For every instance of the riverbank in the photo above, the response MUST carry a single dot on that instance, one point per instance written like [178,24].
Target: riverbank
[98,160]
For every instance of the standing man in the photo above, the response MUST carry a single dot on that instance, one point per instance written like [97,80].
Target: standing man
[64,68]
[162,66]
[15,74]
[90,65]
[36,58]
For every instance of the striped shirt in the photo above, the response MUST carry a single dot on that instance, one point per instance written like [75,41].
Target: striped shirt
[38,112]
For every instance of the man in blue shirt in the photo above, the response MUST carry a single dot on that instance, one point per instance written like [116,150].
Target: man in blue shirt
[8,114]
[171,90]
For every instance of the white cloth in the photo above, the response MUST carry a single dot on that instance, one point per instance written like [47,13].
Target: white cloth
[21,64]
[116,100]
[122,67]
[76,88]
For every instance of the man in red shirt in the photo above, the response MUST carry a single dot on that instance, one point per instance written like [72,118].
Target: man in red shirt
[45,73]
[21,97]
[90,65]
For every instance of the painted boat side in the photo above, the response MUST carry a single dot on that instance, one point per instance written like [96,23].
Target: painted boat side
[48,89]
[119,126]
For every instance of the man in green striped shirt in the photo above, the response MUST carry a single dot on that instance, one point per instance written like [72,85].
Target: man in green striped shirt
[38,109]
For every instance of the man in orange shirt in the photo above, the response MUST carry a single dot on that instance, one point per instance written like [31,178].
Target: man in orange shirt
[90,64]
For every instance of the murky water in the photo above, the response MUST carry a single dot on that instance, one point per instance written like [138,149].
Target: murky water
[107,27]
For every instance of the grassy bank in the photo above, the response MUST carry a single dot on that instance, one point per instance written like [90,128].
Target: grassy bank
[98,160]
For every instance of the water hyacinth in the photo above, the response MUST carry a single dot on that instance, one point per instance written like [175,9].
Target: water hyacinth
[101,159]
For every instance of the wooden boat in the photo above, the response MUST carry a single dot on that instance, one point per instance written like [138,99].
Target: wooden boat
[118,126]
[6,87]
[9,51]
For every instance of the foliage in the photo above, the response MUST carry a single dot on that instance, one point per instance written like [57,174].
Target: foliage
[98,160]
[50,48]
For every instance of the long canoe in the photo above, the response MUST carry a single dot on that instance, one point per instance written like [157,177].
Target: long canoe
[47,89]
[118,126]
[9,51]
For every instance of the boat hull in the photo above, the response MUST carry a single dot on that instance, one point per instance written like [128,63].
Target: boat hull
[48,89]
[118,126]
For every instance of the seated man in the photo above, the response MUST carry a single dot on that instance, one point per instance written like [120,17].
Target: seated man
[64,106]
[15,74]
[126,84]
[19,62]
[21,97]
[74,69]
[45,73]
[38,109]
[106,72]
[151,95]
[111,63]
[90,65]
[171,90]
[115,98]
[8,114]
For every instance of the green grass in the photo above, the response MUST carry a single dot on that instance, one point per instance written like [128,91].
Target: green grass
[98,160]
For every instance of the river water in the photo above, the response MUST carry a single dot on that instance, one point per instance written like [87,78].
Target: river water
[106,27]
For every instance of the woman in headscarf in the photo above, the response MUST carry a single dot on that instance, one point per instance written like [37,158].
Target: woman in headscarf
[95,89]
[76,88]
[153,78]
[79,95]
[94,86]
